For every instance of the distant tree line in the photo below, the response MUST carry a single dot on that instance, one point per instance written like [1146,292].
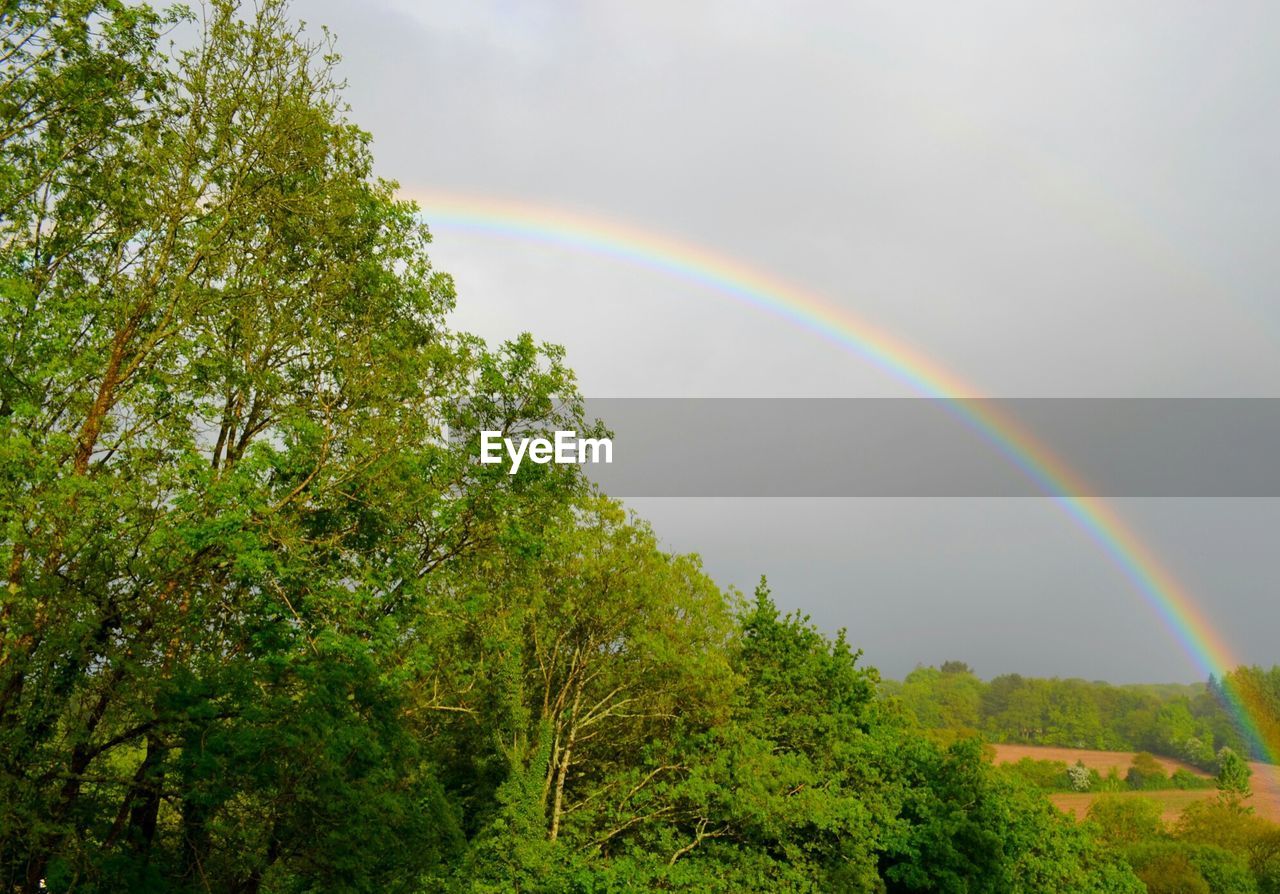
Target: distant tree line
[1192,723]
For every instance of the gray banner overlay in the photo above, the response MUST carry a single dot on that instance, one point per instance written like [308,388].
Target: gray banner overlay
[803,447]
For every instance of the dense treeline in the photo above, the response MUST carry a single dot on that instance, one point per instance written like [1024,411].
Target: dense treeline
[1190,723]
[267,628]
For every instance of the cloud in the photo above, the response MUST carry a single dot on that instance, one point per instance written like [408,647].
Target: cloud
[1077,200]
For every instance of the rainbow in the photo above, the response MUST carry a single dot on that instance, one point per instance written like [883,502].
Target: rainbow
[1169,599]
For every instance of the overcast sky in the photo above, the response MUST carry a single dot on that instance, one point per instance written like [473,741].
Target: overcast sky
[1080,201]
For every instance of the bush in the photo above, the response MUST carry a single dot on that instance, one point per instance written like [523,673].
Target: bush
[1146,773]
[1127,820]
[1049,776]
[1111,782]
[1225,872]
[1080,777]
[1199,753]
[1165,868]
[1186,780]
[1233,774]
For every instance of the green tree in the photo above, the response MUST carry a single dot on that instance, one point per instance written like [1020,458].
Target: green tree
[223,489]
[1227,825]
[945,699]
[1258,691]
[1165,868]
[1233,775]
[1126,820]
[972,829]
[1146,773]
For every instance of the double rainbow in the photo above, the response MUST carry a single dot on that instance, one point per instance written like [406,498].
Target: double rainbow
[1169,599]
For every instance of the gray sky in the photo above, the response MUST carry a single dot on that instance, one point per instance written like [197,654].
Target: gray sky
[1077,201]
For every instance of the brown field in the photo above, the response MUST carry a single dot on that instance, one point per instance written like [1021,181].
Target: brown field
[1266,779]
[1102,761]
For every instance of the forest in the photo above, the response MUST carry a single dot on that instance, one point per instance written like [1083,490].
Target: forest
[265,629]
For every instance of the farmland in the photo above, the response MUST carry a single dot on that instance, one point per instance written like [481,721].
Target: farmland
[1265,780]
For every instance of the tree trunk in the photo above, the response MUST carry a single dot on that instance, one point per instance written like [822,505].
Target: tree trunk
[562,771]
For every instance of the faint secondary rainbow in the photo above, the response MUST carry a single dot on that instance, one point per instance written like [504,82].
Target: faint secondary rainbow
[1157,585]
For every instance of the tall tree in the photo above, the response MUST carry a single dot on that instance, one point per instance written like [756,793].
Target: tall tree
[225,373]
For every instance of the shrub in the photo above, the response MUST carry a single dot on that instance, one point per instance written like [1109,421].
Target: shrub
[1127,820]
[1111,782]
[1049,776]
[1186,780]
[1146,773]
[1080,777]
[1165,868]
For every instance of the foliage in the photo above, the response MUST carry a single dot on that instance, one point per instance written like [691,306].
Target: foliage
[1257,691]
[1046,775]
[1182,778]
[224,489]
[1170,868]
[1215,845]
[1187,723]
[943,699]
[1146,773]
[1233,775]
[1126,820]
[1080,778]
[1165,868]
[979,818]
